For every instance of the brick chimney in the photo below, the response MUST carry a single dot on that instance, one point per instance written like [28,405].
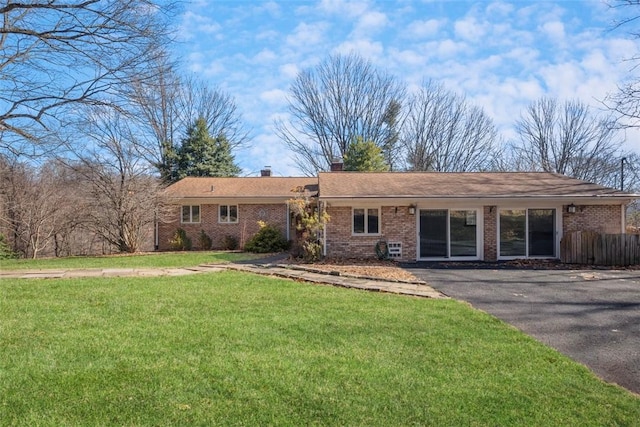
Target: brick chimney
[266,171]
[337,165]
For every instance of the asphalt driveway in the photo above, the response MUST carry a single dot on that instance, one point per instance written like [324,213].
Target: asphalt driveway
[593,316]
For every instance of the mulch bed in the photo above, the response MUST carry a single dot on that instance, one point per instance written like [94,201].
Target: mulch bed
[392,270]
[518,264]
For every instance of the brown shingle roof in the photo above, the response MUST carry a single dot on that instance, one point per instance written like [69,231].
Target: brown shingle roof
[250,187]
[458,185]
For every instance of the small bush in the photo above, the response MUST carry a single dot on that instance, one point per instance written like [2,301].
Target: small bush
[267,239]
[5,250]
[204,241]
[180,241]
[311,251]
[229,243]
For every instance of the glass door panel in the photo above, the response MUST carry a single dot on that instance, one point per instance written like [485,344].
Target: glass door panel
[513,232]
[542,232]
[433,233]
[462,230]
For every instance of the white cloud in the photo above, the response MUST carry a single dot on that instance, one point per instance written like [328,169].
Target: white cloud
[554,30]
[470,29]
[370,23]
[344,7]
[268,149]
[446,48]
[307,35]
[423,29]
[289,71]
[274,97]
[272,8]
[365,48]
[500,9]
[193,23]
[265,55]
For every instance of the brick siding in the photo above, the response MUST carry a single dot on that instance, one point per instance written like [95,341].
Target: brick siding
[490,233]
[396,225]
[247,225]
[598,218]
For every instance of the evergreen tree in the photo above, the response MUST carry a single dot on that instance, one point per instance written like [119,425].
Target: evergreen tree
[364,156]
[200,154]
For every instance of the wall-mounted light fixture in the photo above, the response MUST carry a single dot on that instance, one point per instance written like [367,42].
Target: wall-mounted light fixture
[571,208]
[412,209]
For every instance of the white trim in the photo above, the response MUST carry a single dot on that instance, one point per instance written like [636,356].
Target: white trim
[288,214]
[229,214]
[557,235]
[191,221]
[366,221]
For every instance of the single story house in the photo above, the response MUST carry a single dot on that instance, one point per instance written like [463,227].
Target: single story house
[230,207]
[418,215]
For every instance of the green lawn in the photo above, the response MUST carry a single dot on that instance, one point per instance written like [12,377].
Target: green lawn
[159,259]
[238,349]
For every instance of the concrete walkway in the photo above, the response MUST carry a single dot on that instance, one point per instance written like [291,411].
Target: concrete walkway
[417,289]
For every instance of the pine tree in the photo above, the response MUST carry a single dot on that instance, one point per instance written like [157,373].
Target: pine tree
[364,156]
[200,154]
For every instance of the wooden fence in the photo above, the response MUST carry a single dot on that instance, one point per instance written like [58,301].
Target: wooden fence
[588,247]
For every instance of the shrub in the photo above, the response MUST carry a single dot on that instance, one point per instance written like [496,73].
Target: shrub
[5,250]
[229,243]
[309,223]
[180,241]
[311,251]
[267,239]
[204,241]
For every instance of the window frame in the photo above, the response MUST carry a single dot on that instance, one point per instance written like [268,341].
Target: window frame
[228,206]
[476,221]
[191,221]
[527,243]
[366,220]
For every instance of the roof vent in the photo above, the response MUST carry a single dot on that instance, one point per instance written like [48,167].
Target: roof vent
[337,165]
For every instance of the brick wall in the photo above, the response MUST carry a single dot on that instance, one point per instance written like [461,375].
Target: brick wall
[490,233]
[598,218]
[396,225]
[247,225]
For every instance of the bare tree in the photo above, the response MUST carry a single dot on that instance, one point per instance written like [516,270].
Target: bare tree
[58,54]
[626,101]
[568,139]
[125,199]
[331,105]
[35,208]
[443,132]
[166,107]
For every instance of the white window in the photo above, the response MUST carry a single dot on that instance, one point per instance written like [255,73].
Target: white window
[190,214]
[366,221]
[228,214]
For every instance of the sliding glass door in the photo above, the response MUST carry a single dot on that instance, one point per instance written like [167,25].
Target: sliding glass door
[433,233]
[527,233]
[448,233]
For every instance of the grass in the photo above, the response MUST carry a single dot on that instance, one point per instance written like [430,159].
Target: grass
[237,349]
[158,259]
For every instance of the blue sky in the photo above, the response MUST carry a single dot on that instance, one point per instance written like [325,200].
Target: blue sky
[501,54]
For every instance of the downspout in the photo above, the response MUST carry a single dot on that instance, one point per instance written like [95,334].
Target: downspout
[156,239]
[288,221]
[623,219]
[324,230]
